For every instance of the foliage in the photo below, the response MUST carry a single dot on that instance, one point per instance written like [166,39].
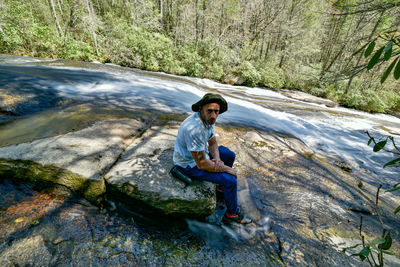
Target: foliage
[304,45]
[374,251]
[249,74]
[381,146]
[154,50]
[190,60]
[368,100]
[389,49]
[272,76]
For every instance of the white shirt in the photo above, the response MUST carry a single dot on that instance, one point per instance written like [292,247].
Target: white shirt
[193,135]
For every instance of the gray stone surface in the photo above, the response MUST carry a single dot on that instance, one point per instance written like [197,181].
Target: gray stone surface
[142,173]
[85,155]
[307,97]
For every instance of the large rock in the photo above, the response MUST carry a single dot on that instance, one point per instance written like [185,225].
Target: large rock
[314,205]
[142,174]
[77,160]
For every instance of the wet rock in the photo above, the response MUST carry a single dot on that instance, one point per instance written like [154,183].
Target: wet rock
[343,165]
[8,102]
[233,79]
[309,200]
[29,251]
[77,159]
[307,97]
[142,173]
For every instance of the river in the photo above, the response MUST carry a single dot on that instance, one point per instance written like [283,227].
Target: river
[46,85]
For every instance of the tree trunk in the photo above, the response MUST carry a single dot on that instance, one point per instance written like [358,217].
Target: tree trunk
[60,8]
[361,54]
[221,20]
[196,22]
[53,12]
[203,24]
[92,24]
[161,6]
[71,22]
[262,44]
[1,30]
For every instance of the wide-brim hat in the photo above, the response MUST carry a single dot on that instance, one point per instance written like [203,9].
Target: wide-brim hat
[211,98]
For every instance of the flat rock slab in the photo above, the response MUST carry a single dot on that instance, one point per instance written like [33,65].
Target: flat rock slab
[77,160]
[142,173]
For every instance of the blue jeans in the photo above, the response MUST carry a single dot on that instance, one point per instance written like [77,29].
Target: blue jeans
[226,181]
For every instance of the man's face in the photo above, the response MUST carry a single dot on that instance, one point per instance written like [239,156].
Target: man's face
[209,113]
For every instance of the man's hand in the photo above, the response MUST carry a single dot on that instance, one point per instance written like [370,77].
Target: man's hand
[219,165]
[214,165]
[233,172]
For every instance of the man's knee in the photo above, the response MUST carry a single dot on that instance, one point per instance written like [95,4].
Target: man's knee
[229,181]
[227,153]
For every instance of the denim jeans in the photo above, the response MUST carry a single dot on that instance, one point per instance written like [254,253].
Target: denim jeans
[226,181]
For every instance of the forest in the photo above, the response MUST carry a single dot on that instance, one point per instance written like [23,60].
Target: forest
[307,45]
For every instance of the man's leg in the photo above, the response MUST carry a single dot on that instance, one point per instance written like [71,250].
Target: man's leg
[226,155]
[226,180]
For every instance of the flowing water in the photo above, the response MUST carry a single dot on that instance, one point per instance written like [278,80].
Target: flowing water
[40,94]
[332,130]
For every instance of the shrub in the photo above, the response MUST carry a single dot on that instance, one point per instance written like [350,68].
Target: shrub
[75,50]
[190,60]
[368,100]
[249,74]
[214,71]
[155,50]
[272,76]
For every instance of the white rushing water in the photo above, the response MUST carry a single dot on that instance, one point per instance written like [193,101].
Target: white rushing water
[331,131]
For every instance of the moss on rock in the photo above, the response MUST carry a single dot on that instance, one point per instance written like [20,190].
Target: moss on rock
[92,190]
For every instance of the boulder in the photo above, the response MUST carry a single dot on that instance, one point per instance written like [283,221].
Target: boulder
[142,173]
[77,160]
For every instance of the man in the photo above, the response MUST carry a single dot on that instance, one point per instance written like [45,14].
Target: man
[197,154]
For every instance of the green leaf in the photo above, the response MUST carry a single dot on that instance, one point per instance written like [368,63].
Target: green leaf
[387,252]
[392,163]
[375,58]
[379,146]
[396,72]
[369,49]
[393,189]
[377,241]
[388,70]
[388,51]
[396,210]
[359,50]
[344,249]
[362,257]
[370,140]
[364,253]
[388,242]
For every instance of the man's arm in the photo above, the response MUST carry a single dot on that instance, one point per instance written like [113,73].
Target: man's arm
[208,165]
[214,151]
[213,146]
